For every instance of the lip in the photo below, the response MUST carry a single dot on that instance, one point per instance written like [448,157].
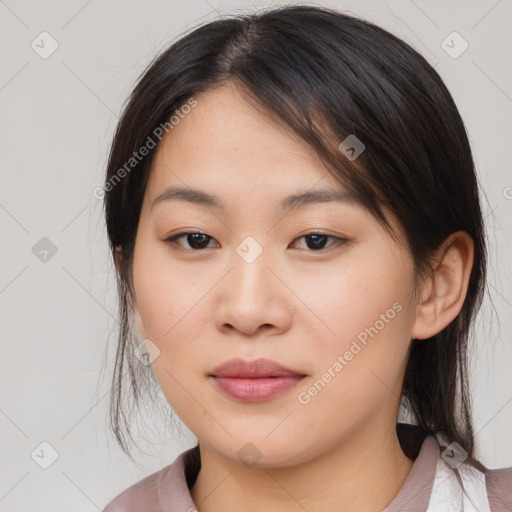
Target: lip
[254,381]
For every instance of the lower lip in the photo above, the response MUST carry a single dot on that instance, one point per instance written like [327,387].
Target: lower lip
[256,390]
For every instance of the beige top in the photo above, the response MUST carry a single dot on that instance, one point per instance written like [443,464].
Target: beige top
[167,489]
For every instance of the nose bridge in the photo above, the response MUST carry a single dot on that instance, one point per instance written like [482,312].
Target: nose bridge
[252,295]
[250,249]
[250,261]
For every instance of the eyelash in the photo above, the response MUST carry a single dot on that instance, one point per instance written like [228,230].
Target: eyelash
[172,240]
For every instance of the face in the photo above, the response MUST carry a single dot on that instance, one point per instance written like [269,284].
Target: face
[318,288]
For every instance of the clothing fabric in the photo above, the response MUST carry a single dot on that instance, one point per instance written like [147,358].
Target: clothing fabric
[431,486]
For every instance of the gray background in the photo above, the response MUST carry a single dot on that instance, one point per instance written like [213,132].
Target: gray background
[58,308]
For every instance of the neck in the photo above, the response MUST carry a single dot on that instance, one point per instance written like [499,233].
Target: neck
[361,474]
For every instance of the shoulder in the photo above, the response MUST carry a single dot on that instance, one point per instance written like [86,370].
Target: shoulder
[163,490]
[141,496]
[488,490]
[499,489]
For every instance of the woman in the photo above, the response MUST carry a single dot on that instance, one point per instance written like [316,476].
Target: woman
[293,211]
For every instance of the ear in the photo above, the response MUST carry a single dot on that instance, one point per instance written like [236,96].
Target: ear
[136,313]
[442,294]
[118,258]
[138,321]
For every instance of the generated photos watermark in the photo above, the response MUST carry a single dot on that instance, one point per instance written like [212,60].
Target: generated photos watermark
[305,397]
[143,151]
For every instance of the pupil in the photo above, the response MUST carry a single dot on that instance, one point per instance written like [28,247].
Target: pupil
[192,244]
[315,237]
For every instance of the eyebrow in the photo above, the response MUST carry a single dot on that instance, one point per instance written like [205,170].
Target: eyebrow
[301,198]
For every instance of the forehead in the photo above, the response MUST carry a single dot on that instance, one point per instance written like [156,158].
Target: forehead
[232,149]
[227,141]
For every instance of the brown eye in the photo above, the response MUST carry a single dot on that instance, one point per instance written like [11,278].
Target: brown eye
[317,241]
[195,239]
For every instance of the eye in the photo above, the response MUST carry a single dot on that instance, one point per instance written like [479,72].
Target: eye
[197,240]
[317,240]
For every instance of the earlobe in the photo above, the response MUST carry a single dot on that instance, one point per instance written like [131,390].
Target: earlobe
[138,321]
[118,258]
[138,318]
[444,291]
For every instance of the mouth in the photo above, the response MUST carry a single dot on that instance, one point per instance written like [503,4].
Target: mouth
[254,381]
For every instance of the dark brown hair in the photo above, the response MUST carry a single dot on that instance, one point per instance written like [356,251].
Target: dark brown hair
[326,75]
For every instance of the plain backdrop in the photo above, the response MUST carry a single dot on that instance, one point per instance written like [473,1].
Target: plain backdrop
[57,287]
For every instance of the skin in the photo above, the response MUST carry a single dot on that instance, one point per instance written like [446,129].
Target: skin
[294,304]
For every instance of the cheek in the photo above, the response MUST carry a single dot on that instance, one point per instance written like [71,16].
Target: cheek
[364,294]
[171,300]
[166,295]
[369,318]
[354,380]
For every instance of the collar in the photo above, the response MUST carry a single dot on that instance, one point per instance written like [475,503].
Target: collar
[174,494]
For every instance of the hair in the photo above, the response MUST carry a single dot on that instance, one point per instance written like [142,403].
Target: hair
[326,75]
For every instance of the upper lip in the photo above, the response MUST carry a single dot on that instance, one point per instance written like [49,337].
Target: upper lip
[256,368]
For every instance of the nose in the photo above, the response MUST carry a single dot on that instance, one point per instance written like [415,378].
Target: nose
[253,298]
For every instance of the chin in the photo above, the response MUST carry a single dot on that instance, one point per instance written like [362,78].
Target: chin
[257,450]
